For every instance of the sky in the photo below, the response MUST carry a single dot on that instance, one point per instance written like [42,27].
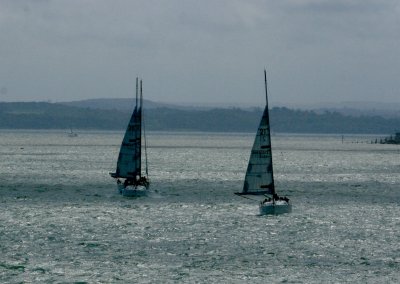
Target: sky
[201,51]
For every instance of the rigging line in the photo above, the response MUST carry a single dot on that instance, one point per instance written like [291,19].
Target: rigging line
[139,148]
[144,137]
[145,146]
[269,128]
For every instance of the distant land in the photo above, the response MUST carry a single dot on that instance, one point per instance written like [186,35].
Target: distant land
[113,114]
[387,110]
[351,108]
[122,104]
[128,104]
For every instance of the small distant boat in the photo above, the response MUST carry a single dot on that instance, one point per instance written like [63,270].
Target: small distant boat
[72,134]
[391,140]
[130,179]
[259,178]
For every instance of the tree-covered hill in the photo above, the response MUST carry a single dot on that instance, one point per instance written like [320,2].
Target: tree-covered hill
[41,115]
[56,116]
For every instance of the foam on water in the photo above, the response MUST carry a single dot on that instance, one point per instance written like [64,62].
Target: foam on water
[63,221]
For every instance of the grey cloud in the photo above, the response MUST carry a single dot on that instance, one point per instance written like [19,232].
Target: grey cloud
[209,51]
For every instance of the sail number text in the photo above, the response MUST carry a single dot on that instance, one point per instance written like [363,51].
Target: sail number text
[263,131]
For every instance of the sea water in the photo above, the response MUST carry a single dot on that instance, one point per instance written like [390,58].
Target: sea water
[62,220]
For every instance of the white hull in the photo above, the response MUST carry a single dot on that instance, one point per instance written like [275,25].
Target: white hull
[279,207]
[132,191]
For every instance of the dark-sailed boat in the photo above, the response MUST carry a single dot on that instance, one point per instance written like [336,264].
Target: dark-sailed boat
[259,178]
[130,179]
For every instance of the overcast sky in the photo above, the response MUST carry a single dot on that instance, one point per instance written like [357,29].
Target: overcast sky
[201,51]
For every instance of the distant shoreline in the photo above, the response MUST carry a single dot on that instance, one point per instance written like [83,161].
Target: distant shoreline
[190,132]
[53,116]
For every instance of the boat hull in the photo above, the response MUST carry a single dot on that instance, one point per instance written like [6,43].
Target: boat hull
[132,191]
[279,207]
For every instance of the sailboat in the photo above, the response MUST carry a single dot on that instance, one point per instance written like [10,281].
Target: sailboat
[130,179]
[259,178]
[72,134]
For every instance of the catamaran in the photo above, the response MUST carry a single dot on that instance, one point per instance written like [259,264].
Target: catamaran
[259,178]
[130,179]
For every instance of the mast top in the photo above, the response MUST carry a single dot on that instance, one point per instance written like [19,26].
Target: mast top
[266,87]
[137,90]
[141,94]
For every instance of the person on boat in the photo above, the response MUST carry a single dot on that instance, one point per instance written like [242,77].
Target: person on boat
[118,181]
[266,200]
[275,196]
[143,181]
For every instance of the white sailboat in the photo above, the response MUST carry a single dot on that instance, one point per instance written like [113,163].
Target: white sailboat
[259,178]
[130,179]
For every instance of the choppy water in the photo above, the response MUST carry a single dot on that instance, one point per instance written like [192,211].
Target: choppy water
[61,219]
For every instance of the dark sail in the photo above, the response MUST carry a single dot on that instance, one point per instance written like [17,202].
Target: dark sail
[259,175]
[129,158]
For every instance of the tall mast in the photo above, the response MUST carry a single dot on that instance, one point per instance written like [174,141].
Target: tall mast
[137,90]
[139,116]
[141,95]
[266,87]
[269,129]
[144,128]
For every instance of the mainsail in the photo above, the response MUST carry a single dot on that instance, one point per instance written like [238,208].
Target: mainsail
[129,159]
[259,176]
